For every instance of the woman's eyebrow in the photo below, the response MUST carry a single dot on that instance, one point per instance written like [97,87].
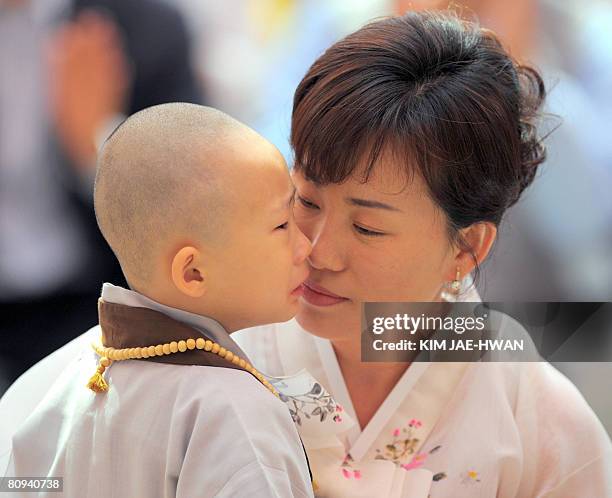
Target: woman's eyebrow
[291,198]
[371,204]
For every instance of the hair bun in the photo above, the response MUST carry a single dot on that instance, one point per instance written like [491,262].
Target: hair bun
[533,150]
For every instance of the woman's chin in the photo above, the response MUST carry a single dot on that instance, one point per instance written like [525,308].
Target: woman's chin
[326,322]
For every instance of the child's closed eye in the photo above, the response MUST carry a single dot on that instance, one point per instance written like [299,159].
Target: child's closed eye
[284,226]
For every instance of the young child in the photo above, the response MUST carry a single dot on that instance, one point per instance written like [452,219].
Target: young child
[198,210]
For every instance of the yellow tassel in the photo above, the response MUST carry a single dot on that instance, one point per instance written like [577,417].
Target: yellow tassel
[97,383]
[315,485]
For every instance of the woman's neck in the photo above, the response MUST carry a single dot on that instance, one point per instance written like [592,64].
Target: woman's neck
[368,384]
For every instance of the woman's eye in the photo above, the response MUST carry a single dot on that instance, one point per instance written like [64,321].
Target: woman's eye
[365,231]
[283,226]
[306,203]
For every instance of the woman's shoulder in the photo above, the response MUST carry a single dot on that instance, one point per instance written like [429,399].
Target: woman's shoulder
[266,344]
[537,415]
[560,432]
[540,397]
[559,407]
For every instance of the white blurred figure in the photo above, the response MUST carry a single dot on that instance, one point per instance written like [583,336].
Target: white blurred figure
[253,53]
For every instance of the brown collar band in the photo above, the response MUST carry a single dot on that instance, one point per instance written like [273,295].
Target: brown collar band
[130,327]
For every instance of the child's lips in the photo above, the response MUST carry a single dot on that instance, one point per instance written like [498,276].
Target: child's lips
[299,290]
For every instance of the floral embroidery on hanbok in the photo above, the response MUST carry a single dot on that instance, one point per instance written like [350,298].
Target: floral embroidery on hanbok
[402,446]
[401,451]
[469,477]
[346,467]
[316,403]
[398,450]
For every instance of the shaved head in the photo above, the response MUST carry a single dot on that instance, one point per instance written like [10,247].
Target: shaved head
[163,176]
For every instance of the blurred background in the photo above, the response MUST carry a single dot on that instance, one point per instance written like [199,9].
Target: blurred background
[71,70]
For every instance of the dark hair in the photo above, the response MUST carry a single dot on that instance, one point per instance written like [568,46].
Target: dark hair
[442,95]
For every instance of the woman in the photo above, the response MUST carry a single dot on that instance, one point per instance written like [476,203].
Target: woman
[412,137]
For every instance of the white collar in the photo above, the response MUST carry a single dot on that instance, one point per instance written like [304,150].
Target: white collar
[212,328]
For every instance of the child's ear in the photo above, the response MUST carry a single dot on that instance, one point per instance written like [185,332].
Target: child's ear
[187,273]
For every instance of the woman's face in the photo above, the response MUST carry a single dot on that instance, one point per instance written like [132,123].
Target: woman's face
[384,240]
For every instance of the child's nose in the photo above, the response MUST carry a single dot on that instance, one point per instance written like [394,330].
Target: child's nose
[303,247]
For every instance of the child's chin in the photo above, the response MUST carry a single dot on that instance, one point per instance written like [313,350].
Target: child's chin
[288,313]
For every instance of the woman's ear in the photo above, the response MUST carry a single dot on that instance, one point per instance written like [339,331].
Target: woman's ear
[187,272]
[478,239]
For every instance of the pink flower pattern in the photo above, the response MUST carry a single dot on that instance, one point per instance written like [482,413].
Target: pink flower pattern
[400,449]
[402,445]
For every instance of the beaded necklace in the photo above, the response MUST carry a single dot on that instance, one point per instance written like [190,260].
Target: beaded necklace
[108,355]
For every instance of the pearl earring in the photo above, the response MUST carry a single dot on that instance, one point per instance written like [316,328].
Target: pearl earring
[456,284]
[451,291]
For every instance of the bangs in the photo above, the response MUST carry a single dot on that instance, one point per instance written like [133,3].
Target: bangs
[342,124]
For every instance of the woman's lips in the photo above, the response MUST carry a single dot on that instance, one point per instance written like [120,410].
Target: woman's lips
[320,296]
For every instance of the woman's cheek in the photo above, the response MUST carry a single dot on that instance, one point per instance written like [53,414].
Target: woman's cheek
[396,283]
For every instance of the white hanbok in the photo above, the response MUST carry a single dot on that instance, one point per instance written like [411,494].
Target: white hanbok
[460,430]
[161,430]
